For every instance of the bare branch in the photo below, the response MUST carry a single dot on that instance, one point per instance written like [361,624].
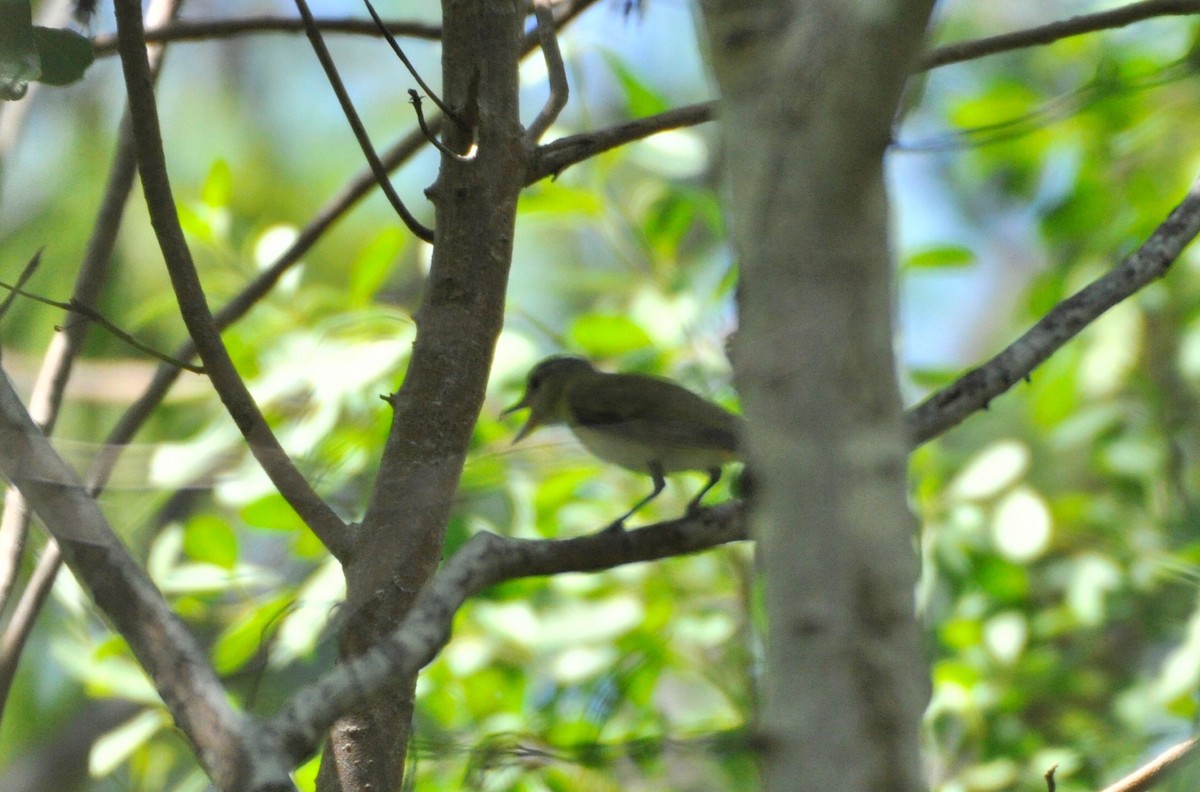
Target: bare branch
[360,132]
[485,560]
[1150,774]
[121,588]
[1053,31]
[20,624]
[190,294]
[414,99]
[412,69]
[558,155]
[46,399]
[76,307]
[26,273]
[557,72]
[210,30]
[975,389]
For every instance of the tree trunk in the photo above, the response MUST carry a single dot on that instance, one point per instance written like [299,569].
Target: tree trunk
[399,543]
[808,92]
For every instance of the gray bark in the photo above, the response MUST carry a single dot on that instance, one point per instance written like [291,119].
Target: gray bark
[808,92]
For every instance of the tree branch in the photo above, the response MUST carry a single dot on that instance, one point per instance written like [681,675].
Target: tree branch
[45,401]
[1053,31]
[975,389]
[556,71]
[236,755]
[1151,773]
[379,23]
[190,294]
[75,306]
[485,560]
[556,156]
[356,125]
[208,30]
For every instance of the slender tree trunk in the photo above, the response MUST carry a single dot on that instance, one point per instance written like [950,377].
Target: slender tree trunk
[400,541]
[808,92]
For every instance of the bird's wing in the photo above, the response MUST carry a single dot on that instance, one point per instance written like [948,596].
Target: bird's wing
[653,412]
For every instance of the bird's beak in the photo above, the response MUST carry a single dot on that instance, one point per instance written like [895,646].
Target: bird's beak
[530,424]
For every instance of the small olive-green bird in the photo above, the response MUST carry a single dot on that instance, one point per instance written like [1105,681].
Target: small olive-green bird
[645,424]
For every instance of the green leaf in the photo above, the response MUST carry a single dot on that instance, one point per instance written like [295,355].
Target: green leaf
[373,265]
[211,539]
[640,99]
[65,55]
[117,745]
[607,335]
[273,513]
[940,257]
[218,186]
[241,641]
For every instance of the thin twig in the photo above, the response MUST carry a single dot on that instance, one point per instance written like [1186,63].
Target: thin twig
[412,69]
[556,156]
[1051,784]
[20,624]
[189,292]
[26,273]
[975,389]
[188,30]
[414,99]
[556,72]
[1151,773]
[1053,31]
[74,306]
[360,132]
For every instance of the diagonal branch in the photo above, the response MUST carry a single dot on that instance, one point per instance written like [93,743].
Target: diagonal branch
[1053,31]
[485,560]
[975,389]
[76,306]
[181,672]
[26,273]
[46,399]
[1154,771]
[360,131]
[555,70]
[556,156]
[391,40]
[190,294]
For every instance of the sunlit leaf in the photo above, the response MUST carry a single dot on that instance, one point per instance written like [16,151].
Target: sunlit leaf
[607,335]
[211,539]
[940,257]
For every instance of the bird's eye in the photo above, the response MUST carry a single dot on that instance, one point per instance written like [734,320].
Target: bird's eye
[534,382]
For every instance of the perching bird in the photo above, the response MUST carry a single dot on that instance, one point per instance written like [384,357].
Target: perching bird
[646,424]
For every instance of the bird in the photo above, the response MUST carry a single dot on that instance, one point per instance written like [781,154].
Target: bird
[645,424]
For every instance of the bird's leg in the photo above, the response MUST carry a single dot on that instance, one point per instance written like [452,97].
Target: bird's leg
[714,475]
[656,472]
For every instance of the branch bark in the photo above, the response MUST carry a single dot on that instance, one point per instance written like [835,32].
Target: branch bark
[400,541]
[236,755]
[975,389]
[192,304]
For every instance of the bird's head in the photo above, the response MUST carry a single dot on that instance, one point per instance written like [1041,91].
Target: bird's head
[546,391]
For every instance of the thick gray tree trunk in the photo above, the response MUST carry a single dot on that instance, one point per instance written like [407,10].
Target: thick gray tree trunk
[808,92]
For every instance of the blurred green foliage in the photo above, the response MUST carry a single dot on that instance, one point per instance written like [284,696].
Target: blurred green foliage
[1058,529]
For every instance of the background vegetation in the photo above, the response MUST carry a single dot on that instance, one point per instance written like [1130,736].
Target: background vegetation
[1058,529]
